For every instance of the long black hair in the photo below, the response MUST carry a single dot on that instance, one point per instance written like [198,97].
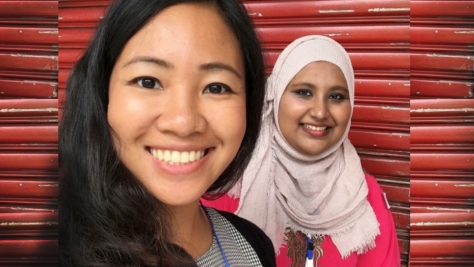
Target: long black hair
[107,217]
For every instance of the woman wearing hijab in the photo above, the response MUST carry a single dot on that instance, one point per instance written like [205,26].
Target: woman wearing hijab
[305,186]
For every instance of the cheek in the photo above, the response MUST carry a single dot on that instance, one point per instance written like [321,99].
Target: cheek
[239,122]
[229,123]
[290,114]
[343,115]
[126,113]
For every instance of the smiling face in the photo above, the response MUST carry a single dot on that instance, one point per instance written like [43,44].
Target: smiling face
[315,108]
[177,102]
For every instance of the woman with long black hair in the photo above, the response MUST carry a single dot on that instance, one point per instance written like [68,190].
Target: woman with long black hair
[163,108]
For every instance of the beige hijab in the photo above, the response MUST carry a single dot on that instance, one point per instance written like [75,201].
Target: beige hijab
[318,195]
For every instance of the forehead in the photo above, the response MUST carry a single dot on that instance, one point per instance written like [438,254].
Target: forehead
[185,30]
[321,70]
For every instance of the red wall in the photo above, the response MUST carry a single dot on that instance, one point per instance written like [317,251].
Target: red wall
[28,132]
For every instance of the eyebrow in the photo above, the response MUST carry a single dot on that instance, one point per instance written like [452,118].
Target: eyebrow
[337,87]
[147,59]
[213,66]
[216,66]
[312,86]
[304,84]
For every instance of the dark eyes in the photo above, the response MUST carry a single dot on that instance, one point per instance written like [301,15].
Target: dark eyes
[148,83]
[304,92]
[217,88]
[336,96]
[152,83]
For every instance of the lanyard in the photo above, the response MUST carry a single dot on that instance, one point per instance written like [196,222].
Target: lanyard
[217,240]
[309,252]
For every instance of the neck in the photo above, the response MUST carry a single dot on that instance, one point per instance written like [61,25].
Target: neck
[191,229]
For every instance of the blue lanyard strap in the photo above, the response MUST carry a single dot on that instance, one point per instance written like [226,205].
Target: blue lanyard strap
[309,252]
[309,248]
[217,239]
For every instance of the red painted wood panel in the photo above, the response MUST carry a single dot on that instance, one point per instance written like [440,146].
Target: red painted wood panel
[26,74]
[448,188]
[461,48]
[22,107]
[27,221]
[428,262]
[382,87]
[29,35]
[81,17]
[441,107]
[404,246]
[441,35]
[416,208]
[442,8]
[401,219]
[442,147]
[442,247]
[29,8]
[28,88]
[439,201]
[28,62]
[442,74]
[442,134]
[29,134]
[343,34]
[442,220]
[441,88]
[28,189]
[28,161]
[385,114]
[320,9]
[386,166]
[28,248]
[380,126]
[82,3]
[441,61]
[76,37]
[442,161]
[396,193]
[379,139]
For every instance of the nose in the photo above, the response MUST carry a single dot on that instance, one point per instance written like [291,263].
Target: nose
[319,109]
[181,115]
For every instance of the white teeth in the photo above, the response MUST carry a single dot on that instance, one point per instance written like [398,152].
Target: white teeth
[167,155]
[184,158]
[314,128]
[176,157]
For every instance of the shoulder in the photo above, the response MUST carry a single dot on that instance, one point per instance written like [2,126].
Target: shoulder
[378,201]
[255,236]
[386,252]
[375,195]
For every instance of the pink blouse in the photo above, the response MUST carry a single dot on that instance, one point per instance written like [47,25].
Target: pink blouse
[385,254]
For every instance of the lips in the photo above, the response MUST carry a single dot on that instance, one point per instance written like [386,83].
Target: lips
[174,157]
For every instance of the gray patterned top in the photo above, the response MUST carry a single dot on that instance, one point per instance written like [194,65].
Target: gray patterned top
[237,250]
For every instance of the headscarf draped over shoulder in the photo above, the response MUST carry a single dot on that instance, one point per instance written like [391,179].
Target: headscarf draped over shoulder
[319,195]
